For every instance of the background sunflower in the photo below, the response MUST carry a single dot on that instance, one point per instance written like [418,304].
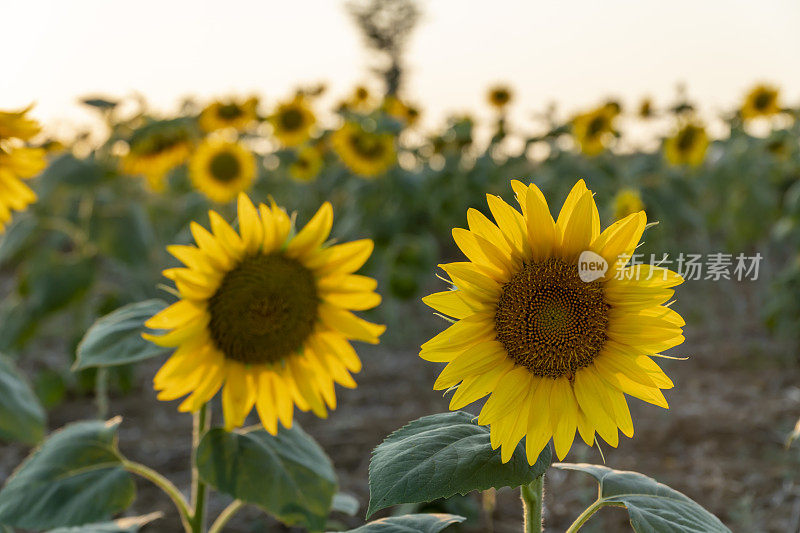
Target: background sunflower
[222,169]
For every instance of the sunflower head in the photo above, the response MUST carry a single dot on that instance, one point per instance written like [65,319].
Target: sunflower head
[761,101]
[626,202]
[307,164]
[17,163]
[688,146]
[646,108]
[593,130]
[499,96]
[555,350]
[222,169]
[367,153]
[264,315]
[156,149]
[16,125]
[292,121]
[235,114]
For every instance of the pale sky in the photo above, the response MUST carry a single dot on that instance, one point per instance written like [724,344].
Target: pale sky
[573,52]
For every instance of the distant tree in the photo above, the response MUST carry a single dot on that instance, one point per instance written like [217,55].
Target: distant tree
[386,26]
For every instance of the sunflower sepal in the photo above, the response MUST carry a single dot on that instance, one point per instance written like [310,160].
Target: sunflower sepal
[449,453]
[651,506]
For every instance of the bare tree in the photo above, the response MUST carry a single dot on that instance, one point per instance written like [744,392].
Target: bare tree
[386,26]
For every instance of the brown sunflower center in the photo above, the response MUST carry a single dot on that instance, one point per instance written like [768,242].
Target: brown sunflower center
[291,119]
[763,100]
[686,138]
[229,111]
[550,321]
[225,167]
[597,126]
[264,309]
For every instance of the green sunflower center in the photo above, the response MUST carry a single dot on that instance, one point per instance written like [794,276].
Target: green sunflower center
[264,309]
[367,145]
[291,119]
[225,167]
[229,111]
[550,321]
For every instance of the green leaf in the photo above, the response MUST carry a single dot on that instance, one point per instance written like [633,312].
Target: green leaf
[410,523]
[122,525]
[22,417]
[288,475]
[345,503]
[116,339]
[76,477]
[652,506]
[441,455]
[100,103]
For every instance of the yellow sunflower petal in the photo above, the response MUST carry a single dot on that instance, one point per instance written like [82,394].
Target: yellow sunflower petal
[313,234]
[238,394]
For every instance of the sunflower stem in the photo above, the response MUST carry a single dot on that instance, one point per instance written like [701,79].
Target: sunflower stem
[585,515]
[200,425]
[225,515]
[165,485]
[532,495]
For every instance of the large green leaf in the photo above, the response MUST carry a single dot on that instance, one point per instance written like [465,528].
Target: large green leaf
[123,525]
[441,455]
[653,507]
[22,417]
[76,477]
[288,475]
[116,338]
[410,523]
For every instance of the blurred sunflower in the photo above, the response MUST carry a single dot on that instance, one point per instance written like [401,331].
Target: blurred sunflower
[306,165]
[593,129]
[292,121]
[688,146]
[553,352]
[499,96]
[222,169]
[229,114]
[360,100]
[14,124]
[761,101]
[367,153]
[646,108]
[627,202]
[16,164]
[265,316]
[156,149]
[400,110]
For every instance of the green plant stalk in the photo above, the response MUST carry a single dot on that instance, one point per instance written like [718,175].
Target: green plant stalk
[198,519]
[587,514]
[101,391]
[165,485]
[225,515]
[532,495]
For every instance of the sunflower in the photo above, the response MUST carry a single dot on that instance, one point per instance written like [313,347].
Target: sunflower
[306,165]
[16,164]
[626,202]
[229,114]
[593,129]
[688,146]
[646,108]
[553,352]
[14,124]
[400,110]
[761,101]
[292,121]
[499,96]
[360,100]
[264,315]
[156,149]
[222,169]
[367,153]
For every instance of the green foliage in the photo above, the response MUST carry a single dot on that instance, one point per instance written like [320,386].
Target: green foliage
[652,506]
[122,525]
[76,477]
[288,475]
[22,417]
[410,523]
[441,455]
[116,338]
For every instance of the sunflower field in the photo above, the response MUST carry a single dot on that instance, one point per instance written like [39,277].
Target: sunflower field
[267,313]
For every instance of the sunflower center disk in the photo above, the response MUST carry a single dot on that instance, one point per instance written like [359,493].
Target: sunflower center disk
[368,146]
[291,119]
[264,309]
[229,111]
[550,321]
[224,167]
